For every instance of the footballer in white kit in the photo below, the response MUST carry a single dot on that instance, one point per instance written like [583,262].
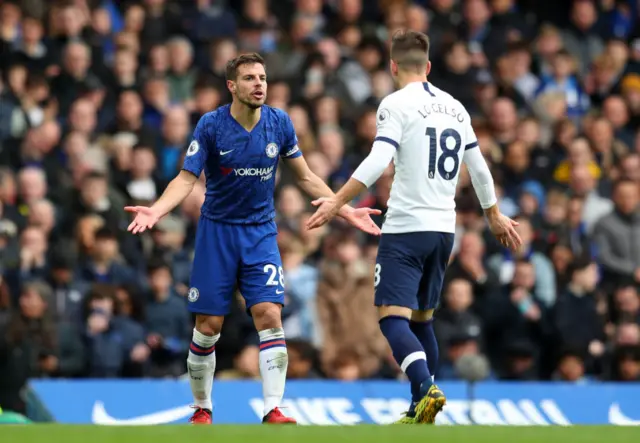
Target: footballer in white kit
[428,135]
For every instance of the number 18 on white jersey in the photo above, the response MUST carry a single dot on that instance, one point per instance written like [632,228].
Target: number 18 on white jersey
[432,135]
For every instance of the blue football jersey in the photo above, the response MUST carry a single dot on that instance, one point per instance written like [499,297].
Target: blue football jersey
[240,166]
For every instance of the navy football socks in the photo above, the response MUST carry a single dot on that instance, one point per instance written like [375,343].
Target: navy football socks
[426,335]
[409,354]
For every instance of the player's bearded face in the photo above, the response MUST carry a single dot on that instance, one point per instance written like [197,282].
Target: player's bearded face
[251,85]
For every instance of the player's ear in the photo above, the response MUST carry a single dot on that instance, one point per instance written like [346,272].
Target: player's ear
[428,67]
[231,85]
[393,67]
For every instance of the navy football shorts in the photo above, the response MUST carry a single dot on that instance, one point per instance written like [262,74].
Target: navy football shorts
[410,269]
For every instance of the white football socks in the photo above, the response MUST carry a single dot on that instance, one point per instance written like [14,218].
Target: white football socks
[274,361]
[201,364]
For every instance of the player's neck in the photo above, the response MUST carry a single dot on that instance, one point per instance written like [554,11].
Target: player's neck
[246,116]
[404,80]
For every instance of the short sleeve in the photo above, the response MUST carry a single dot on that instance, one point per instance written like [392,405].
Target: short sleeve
[389,124]
[199,147]
[289,148]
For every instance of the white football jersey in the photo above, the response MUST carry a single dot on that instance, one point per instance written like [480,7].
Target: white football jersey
[431,131]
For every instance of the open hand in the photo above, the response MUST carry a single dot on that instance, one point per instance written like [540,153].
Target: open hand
[145,219]
[327,209]
[504,230]
[361,219]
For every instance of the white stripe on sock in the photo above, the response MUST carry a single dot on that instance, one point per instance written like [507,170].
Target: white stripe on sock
[418,355]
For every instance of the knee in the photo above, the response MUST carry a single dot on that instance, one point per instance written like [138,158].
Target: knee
[267,316]
[394,311]
[209,325]
[422,316]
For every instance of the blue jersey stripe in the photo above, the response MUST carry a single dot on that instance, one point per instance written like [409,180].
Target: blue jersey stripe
[392,142]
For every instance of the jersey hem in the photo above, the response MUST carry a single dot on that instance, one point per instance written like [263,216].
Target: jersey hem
[236,222]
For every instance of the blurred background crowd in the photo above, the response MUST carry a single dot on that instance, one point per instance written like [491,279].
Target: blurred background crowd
[97,103]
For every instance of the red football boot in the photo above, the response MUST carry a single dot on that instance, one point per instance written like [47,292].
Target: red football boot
[276,417]
[201,417]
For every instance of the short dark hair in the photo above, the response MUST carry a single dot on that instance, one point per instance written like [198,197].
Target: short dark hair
[244,59]
[156,264]
[143,147]
[95,175]
[621,182]
[581,263]
[410,49]
[105,233]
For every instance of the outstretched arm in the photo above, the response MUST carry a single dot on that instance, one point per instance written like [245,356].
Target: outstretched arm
[389,124]
[368,172]
[181,186]
[310,183]
[316,188]
[366,175]
[177,190]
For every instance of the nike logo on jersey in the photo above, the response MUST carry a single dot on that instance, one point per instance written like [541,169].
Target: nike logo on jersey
[279,292]
[225,152]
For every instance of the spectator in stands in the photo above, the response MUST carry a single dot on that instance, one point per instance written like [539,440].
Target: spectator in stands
[115,345]
[614,235]
[577,320]
[627,303]
[469,265]
[68,291]
[33,344]
[104,263]
[627,363]
[519,319]
[571,367]
[456,316]
[302,360]
[301,286]
[503,265]
[169,236]
[167,324]
[351,340]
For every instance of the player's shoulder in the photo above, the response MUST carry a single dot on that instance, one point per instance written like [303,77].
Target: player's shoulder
[217,115]
[213,120]
[390,107]
[394,100]
[275,114]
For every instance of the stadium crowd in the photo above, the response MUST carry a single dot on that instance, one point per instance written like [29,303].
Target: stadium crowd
[98,99]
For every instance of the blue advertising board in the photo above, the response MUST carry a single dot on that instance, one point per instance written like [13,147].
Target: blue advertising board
[140,402]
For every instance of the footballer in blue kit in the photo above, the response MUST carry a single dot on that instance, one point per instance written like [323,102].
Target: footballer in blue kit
[237,237]
[238,147]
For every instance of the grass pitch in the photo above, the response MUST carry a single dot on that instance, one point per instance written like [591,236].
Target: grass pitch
[41,433]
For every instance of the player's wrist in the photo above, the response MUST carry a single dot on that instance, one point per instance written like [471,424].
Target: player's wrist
[345,211]
[158,211]
[492,212]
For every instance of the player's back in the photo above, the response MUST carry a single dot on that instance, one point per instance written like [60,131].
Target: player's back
[435,131]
